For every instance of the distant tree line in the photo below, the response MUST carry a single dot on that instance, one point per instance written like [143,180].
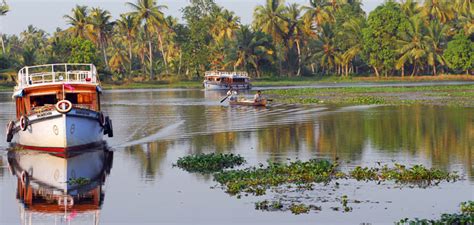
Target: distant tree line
[325,37]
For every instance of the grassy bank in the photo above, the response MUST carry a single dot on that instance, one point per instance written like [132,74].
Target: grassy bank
[457,95]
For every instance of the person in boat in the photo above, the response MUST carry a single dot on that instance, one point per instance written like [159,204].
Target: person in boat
[258,97]
[233,94]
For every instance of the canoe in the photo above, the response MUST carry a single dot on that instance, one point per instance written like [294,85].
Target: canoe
[247,102]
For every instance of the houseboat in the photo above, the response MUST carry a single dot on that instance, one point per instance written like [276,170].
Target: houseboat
[222,80]
[58,108]
[56,187]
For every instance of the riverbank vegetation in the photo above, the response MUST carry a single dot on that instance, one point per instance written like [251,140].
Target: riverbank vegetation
[317,39]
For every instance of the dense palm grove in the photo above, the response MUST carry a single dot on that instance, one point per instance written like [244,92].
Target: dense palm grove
[324,37]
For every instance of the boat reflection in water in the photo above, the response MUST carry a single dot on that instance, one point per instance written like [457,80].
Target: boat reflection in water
[59,188]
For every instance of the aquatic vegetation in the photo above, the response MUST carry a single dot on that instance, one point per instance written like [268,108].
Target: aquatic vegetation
[402,174]
[209,163]
[467,207]
[257,180]
[268,206]
[344,202]
[78,181]
[466,217]
[299,209]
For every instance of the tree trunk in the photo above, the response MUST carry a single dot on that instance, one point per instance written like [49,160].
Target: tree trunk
[376,72]
[180,60]
[130,56]
[299,58]
[3,44]
[414,69]
[163,52]
[403,71]
[312,68]
[434,69]
[151,59]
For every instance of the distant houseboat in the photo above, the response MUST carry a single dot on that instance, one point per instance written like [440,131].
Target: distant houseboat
[221,80]
[58,108]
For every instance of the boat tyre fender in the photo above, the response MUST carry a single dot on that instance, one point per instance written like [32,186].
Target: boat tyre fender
[24,122]
[109,127]
[25,178]
[63,106]
[102,120]
[9,131]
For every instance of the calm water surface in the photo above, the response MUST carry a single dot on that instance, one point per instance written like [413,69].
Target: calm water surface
[153,128]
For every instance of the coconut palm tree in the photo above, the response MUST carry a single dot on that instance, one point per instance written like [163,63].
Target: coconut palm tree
[409,7]
[3,11]
[226,25]
[119,60]
[353,35]
[294,31]
[127,28]
[412,44]
[440,9]
[78,21]
[324,46]
[100,29]
[250,47]
[319,12]
[267,18]
[435,38]
[149,15]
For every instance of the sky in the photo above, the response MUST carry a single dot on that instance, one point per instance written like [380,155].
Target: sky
[49,14]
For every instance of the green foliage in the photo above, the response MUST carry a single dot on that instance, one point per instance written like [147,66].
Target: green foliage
[268,206]
[209,163]
[460,53]
[464,218]
[399,173]
[384,24]
[299,209]
[257,180]
[82,51]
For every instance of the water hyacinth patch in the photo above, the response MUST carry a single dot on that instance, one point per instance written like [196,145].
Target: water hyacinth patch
[401,174]
[466,217]
[257,180]
[209,163]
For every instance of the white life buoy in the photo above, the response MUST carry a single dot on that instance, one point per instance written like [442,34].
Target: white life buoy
[24,123]
[63,106]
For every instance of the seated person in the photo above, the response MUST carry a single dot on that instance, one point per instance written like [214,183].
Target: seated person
[258,97]
[233,95]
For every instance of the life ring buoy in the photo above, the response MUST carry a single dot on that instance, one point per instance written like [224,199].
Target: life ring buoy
[9,131]
[63,106]
[101,119]
[24,122]
[25,178]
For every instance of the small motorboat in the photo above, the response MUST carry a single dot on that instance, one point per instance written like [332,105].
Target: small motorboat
[248,102]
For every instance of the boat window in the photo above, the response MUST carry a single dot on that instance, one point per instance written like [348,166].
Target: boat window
[72,97]
[42,100]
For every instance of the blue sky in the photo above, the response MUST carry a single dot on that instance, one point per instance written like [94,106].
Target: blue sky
[48,14]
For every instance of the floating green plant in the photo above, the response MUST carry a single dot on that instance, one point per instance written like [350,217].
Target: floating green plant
[466,217]
[268,206]
[209,163]
[299,209]
[256,180]
[402,174]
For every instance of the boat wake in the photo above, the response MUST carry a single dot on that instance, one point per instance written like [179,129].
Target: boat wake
[162,133]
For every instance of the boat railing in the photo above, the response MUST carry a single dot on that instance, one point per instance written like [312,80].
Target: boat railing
[226,73]
[57,73]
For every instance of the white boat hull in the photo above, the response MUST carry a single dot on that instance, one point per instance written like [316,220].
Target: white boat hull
[56,132]
[211,86]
